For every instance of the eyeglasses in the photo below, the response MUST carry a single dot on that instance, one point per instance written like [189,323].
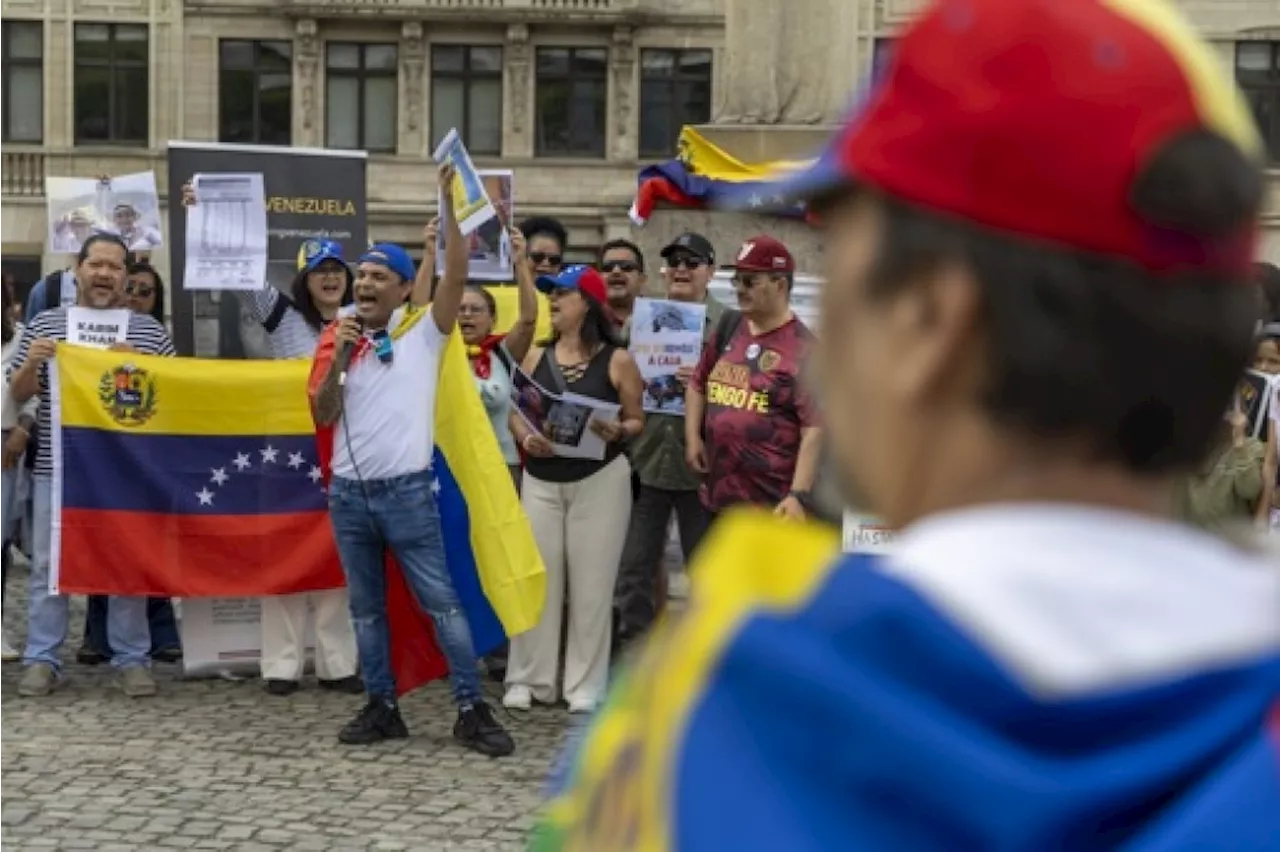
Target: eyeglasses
[543,257]
[688,262]
[623,265]
[140,290]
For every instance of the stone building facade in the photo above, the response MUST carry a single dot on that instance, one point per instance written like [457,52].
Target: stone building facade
[574,95]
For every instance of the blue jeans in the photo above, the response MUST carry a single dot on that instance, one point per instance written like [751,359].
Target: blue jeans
[399,514]
[161,622]
[127,629]
[9,519]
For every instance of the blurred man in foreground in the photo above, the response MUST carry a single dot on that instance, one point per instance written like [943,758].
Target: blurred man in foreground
[1037,309]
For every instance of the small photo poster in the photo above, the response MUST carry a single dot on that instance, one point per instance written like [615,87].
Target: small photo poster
[666,336]
[126,206]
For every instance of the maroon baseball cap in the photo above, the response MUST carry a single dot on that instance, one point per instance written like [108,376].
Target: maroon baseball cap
[1037,118]
[764,254]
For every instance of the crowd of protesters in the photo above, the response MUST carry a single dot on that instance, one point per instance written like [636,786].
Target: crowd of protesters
[750,435]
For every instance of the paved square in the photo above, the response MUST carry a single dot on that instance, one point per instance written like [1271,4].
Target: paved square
[213,764]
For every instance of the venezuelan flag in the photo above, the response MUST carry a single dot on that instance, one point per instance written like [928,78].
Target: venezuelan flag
[704,175]
[489,546]
[186,477]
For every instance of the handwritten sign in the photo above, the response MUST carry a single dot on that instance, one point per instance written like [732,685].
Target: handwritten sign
[866,534]
[98,329]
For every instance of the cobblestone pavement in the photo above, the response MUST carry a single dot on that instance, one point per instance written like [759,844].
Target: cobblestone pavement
[222,765]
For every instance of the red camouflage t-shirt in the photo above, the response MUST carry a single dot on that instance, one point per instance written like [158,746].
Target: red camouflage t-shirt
[756,407]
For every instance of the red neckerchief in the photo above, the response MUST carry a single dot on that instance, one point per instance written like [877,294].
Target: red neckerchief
[481,355]
[325,352]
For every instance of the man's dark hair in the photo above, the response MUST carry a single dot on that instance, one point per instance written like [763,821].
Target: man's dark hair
[100,237]
[623,244]
[1269,281]
[1139,365]
[545,226]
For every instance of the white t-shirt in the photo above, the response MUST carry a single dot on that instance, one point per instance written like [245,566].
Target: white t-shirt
[387,428]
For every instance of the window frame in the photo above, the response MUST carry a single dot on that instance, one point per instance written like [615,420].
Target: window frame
[256,70]
[674,84]
[112,64]
[569,77]
[361,74]
[1269,88]
[466,77]
[8,63]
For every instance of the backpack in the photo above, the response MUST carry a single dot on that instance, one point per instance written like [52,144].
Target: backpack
[52,291]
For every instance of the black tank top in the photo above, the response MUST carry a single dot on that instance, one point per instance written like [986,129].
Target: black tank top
[594,382]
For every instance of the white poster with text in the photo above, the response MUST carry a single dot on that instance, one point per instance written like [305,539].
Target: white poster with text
[98,329]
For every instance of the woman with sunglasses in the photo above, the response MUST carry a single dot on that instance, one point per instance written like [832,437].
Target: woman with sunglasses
[576,507]
[293,322]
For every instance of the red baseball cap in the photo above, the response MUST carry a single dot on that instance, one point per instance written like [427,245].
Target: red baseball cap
[576,277]
[764,254]
[1036,118]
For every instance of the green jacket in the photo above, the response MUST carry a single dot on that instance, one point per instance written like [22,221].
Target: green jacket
[1227,490]
[657,453]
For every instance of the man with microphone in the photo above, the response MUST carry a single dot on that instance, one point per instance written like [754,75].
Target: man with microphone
[374,406]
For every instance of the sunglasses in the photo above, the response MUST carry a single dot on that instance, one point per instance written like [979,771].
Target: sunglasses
[543,257]
[141,290]
[687,262]
[623,265]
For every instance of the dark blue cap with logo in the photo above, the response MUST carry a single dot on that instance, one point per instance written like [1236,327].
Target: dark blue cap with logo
[393,257]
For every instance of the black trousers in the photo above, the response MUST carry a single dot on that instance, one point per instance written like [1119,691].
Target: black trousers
[636,595]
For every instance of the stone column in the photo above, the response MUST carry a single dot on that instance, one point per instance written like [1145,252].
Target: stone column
[518,94]
[622,71]
[413,58]
[308,116]
[792,63]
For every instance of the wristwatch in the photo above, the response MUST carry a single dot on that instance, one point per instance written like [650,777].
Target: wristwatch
[804,498]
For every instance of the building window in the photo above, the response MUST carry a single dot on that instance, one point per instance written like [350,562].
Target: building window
[360,96]
[881,53]
[1258,75]
[111,83]
[23,47]
[466,93]
[572,85]
[255,92]
[675,90]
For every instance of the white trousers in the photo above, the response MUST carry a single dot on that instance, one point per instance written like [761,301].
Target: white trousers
[580,528]
[284,633]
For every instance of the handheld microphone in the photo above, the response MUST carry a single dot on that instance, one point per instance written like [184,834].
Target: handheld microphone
[343,359]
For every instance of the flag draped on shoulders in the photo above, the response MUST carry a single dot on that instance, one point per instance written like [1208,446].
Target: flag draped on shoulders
[185,477]
[492,557]
[704,175]
[810,701]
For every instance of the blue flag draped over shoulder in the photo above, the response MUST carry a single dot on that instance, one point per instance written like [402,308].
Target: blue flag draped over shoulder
[807,701]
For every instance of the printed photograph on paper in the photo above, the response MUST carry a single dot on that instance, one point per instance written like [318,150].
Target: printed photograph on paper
[665,337]
[471,202]
[563,419]
[1253,398]
[125,205]
[490,244]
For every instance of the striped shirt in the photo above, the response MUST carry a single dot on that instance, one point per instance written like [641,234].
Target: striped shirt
[144,334]
[290,334]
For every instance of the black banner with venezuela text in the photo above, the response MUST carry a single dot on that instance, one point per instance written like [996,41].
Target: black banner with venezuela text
[311,194]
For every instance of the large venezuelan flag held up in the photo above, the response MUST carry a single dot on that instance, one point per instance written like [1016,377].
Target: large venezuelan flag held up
[184,477]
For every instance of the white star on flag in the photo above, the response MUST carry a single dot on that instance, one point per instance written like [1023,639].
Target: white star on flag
[205,496]
[296,460]
[755,200]
[316,474]
[242,461]
[219,476]
[269,454]
[435,486]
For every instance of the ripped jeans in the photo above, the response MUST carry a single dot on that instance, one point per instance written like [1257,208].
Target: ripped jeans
[399,514]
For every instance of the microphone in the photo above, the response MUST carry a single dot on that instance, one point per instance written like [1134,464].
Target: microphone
[343,359]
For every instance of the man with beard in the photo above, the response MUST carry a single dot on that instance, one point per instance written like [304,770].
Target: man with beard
[1040,230]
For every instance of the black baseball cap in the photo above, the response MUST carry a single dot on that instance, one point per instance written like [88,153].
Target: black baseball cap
[694,244]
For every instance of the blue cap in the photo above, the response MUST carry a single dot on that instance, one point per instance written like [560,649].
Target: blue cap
[576,277]
[315,252]
[392,257]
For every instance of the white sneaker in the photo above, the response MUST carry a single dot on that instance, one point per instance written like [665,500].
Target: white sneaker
[582,705]
[7,652]
[517,698]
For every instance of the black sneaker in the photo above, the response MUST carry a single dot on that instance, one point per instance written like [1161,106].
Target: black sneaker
[379,720]
[352,685]
[87,656]
[170,654]
[477,729]
[282,687]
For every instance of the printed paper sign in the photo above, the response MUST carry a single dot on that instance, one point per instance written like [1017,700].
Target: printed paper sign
[96,328]
[666,336]
[125,206]
[489,246]
[471,202]
[867,534]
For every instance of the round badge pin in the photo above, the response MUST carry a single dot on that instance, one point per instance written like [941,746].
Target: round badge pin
[753,350]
